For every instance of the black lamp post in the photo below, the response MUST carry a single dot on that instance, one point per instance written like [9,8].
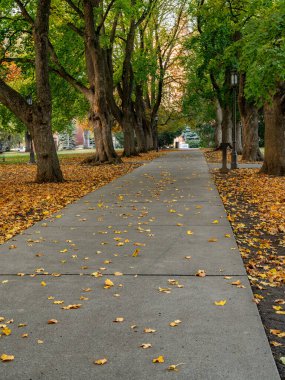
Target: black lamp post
[234,84]
[32,153]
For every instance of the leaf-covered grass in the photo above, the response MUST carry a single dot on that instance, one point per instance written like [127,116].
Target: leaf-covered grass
[24,202]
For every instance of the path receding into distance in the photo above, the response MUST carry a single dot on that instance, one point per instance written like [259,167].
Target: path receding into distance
[150,209]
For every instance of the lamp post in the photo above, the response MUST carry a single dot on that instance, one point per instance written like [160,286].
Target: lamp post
[234,84]
[32,153]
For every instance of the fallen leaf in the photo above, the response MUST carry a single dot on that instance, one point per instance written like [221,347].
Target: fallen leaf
[6,331]
[175,323]
[220,303]
[119,320]
[189,232]
[101,361]
[52,321]
[212,240]
[173,367]
[43,283]
[159,359]
[70,307]
[145,345]
[282,360]
[136,252]
[148,330]
[7,358]
[108,283]
[201,273]
[276,344]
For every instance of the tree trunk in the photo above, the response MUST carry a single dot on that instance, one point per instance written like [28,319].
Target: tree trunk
[274,116]
[129,136]
[227,125]
[218,125]
[101,123]
[249,119]
[48,169]
[239,138]
[141,138]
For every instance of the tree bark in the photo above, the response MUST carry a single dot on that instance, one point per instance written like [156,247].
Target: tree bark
[37,116]
[227,125]
[274,116]
[48,169]
[218,125]
[100,89]
[249,119]
[239,145]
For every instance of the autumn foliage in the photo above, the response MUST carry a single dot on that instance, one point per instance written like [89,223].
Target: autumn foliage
[24,202]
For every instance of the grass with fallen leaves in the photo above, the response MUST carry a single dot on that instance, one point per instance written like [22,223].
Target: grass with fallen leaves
[215,156]
[255,204]
[24,202]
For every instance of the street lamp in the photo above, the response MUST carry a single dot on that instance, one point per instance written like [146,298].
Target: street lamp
[234,85]
[32,153]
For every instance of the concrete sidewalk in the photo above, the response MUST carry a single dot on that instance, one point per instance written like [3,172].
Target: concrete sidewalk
[151,210]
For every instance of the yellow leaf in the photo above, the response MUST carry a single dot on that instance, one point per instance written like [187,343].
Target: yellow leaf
[40,341]
[220,303]
[173,367]
[172,211]
[71,307]
[108,283]
[24,335]
[276,344]
[22,324]
[227,235]
[101,361]
[212,240]
[189,232]
[165,290]
[149,331]
[6,331]
[96,274]
[175,323]
[43,283]
[277,307]
[159,359]
[136,252]
[281,312]
[7,358]
[58,216]
[215,222]
[118,274]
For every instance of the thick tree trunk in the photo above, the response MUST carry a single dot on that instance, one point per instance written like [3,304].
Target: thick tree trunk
[129,136]
[274,116]
[218,125]
[101,123]
[227,125]
[249,119]
[48,169]
[141,138]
